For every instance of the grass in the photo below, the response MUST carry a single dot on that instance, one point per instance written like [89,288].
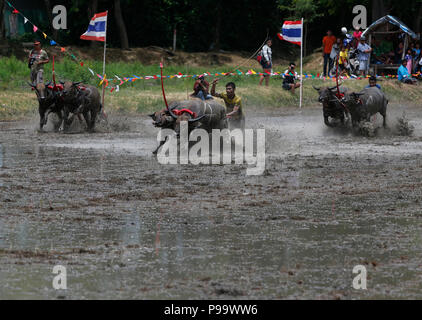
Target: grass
[143,96]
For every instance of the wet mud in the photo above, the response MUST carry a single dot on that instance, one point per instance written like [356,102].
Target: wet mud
[127,227]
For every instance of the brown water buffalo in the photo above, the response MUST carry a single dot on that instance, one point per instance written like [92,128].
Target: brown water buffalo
[81,99]
[365,104]
[331,104]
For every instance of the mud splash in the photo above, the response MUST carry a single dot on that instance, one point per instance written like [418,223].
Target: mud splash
[403,127]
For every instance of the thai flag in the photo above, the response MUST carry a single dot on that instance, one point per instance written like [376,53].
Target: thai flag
[97,28]
[292,32]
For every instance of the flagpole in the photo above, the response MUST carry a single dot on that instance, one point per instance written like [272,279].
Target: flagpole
[104,61]
[301,66]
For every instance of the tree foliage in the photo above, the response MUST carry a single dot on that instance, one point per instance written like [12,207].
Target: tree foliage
[229,25]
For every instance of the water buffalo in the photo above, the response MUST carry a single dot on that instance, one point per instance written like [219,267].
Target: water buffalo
[49,101]
[199,115]
[162,118]
[81,99]
[331,104]
[204,115]
[365,104]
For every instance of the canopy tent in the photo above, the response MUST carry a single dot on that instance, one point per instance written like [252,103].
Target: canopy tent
[386,26]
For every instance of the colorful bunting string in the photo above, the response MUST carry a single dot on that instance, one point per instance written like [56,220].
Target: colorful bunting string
[250,72]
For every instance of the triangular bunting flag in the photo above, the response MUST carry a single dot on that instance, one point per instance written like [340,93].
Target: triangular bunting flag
[45,36]
[25,20]
[52,43]
[35,28]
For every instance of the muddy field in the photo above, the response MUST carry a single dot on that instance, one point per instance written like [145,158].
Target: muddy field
[127,227]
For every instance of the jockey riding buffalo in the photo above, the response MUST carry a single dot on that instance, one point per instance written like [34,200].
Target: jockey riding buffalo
[332,106]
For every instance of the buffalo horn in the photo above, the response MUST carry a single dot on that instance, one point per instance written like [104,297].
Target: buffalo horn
[197,119]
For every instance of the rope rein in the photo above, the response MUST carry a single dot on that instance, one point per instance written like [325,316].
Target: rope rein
[162,85]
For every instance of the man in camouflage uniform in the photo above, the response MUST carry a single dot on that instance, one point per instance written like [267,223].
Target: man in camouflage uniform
[36,60]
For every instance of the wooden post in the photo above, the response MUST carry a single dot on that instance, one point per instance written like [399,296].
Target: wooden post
[406,43]
[174,39]
[104,64]
[370,54]
[301,67]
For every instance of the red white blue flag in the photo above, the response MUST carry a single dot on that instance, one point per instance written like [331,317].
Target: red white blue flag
[96,28]
[292,32]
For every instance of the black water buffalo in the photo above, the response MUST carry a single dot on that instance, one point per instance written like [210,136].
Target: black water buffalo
[331,104]
[197,113]
[162,118]
[81,99]
[202,115]
[49,101]
[365,104]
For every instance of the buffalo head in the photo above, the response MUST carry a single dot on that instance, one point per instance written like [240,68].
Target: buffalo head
[40,90]
[184,115]
[162,118]
[70,89]
[325,94]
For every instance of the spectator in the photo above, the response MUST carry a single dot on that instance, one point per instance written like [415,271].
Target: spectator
[201,89]
[335,50]
[327,45]
[417,56]
[356,37]
[399,53]
[404,75]
[357,33]
[409,59]
[290,75]
[419,66]
[388,50]
[373,83]
[343,60]
[364,51]
[266,62]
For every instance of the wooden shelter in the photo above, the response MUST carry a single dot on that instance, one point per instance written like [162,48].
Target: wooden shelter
[384,27]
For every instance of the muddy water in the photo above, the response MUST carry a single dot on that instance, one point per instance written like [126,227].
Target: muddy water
[125,226]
